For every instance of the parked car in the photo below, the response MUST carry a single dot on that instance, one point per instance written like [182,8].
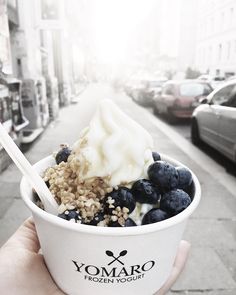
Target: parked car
[179,98]
[214,122]
[130,86]
[139,93]
[154,88]
[143,91]
[233,77]
[214,81]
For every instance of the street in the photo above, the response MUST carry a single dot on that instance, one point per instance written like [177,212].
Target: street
[211,268]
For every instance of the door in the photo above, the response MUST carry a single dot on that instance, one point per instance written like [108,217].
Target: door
[227,126]
[210,118]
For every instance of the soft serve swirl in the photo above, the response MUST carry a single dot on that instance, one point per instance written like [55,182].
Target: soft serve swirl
[113,145]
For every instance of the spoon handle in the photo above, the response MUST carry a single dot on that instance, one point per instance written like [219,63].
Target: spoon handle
[28,171]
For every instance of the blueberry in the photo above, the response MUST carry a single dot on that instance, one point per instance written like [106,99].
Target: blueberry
[156,156]
[47,183]
[63,216]
[63,155]
[129,222]
[97,218]
[145,192]
[71,214]
[190,190]
[164,175]
[175,201]
[122,198]
[35,195]
[185,177]
[154,215]
[114,224]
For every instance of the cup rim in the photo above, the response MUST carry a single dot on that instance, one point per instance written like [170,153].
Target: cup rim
[113,231]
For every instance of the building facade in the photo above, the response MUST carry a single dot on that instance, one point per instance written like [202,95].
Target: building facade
[5,52]
[216,37]
[34,69]
[38,48]
[187,36]
[177,35]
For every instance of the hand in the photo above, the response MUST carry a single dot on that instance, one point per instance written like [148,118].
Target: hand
[23,271]
[178,267]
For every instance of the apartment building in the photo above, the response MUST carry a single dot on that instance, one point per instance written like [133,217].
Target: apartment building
[216,37]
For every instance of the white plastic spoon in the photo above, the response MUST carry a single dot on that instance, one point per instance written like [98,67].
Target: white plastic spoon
[50,205]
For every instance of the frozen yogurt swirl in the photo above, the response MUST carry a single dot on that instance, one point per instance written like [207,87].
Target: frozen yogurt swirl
[113,145]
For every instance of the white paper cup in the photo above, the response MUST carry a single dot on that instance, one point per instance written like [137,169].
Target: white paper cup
[139,260]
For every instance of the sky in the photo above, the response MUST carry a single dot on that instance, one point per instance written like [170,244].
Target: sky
[127,32]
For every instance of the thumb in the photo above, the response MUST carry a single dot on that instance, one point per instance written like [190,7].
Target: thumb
[25,237]
[180,261]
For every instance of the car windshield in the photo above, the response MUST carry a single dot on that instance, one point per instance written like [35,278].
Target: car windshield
[194,89]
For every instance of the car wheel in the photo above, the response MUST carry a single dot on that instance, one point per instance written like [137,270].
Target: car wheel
[138,98]
[133,95]
[195,138]
[141,100]
[155,110]
[170,117]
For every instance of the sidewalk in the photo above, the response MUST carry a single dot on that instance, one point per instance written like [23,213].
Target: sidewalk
[211,268]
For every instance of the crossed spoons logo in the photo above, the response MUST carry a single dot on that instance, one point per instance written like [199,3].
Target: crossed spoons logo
[110,254]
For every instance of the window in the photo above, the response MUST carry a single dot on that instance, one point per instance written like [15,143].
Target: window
[212,25]
[209,54]
[199,56]
[228,49]
[222,20]
[232,101]
[219,51]
[231,18]
[223,95]
[19,68]
[208,28]
[203,56]
[12,3]
[194,89]
[50,9]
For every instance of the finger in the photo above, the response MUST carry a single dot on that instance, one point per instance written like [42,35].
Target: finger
[25,237]
[180,261]
[182,255]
